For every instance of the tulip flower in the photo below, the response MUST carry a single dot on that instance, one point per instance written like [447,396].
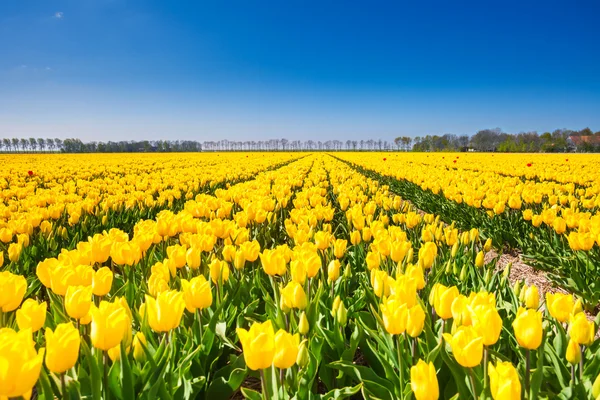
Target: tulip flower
[532,297]
[258,345]
[109,325]
[573,355]
[395,314]
[504,381]
[14,251]
[339,248]
[373,260]
[62,347]
[21,364]
[286,349]
[139,340]
[251,250]
[196,293]
[427,254]
[528,328]
[193,257]
[355,238]
[31,315]
[423,381]
[78,300]
[219,271]
[467,346]
[443,299]
[102,281]
[12,290]
[165,312]
[487,321]
[479,259]
[293,296]
[559,305]
[273,262]
[581,330]
[333,271]
[415,320]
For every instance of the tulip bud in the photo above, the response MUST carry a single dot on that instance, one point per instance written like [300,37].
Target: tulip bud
[448,268]
[454,250]
[347,271]
[104,220]
[479,259]
[573,355]
[523,292]
[423,381]
[596,387]
[139,341]
[532,297]
[517,288]
[342,314]
[303,325]
[463,273]
[455,270]
[488,245]
[409,256]
[488,276]
[303,355]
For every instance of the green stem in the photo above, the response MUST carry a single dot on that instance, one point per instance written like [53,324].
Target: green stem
[199,319]
[63,386]
[263,381]
[400,369]
[105,383]
[472,375]
[527,361]
[581,364]
[485,367]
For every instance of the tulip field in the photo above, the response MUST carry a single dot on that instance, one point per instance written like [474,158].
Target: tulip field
[293,275]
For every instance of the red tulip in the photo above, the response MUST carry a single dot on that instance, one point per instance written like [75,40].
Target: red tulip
[30,173]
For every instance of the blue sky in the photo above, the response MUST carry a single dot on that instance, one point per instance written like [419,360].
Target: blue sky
[249,70]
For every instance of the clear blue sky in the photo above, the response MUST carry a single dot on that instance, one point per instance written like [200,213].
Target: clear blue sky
[243,70]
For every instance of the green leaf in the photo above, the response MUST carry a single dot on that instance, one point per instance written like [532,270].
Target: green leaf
[342,393]
[126,375]
[251,394]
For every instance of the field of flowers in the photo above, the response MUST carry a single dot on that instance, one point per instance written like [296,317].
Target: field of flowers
[297,276]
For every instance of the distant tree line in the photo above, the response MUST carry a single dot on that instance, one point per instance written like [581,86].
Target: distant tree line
[560,140]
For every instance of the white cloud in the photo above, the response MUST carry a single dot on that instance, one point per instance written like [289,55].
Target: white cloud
[58,14]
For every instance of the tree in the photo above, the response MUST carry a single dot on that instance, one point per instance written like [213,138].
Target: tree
[41,144]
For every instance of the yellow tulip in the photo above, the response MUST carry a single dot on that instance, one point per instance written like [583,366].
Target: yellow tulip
[219,270]
[273,262]
[355,238]
[333,271]
[139,340]
[559,305]
[196,293]
[581,330]
[62,347]
[258,345]
[528,328]
[423,381]
[303,325]
[102,281]
[109,325]
[479,259]
[21,364]
[504,381]
[415,320]
[250,250]
[427,254]
[293,296]
[467,346]
[487,321]
[193,257]
[532,297]
[298,271]
[443,299]
[31,315]
[286,349]
[573,355]
[373,260]
[239,261]
[78,301]
[395,315]
[165,312]
[339,248]
[12,290]
[14,251]
[1,259]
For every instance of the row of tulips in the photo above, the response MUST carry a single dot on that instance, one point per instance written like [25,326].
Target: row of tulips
[312,281]
[563,242]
